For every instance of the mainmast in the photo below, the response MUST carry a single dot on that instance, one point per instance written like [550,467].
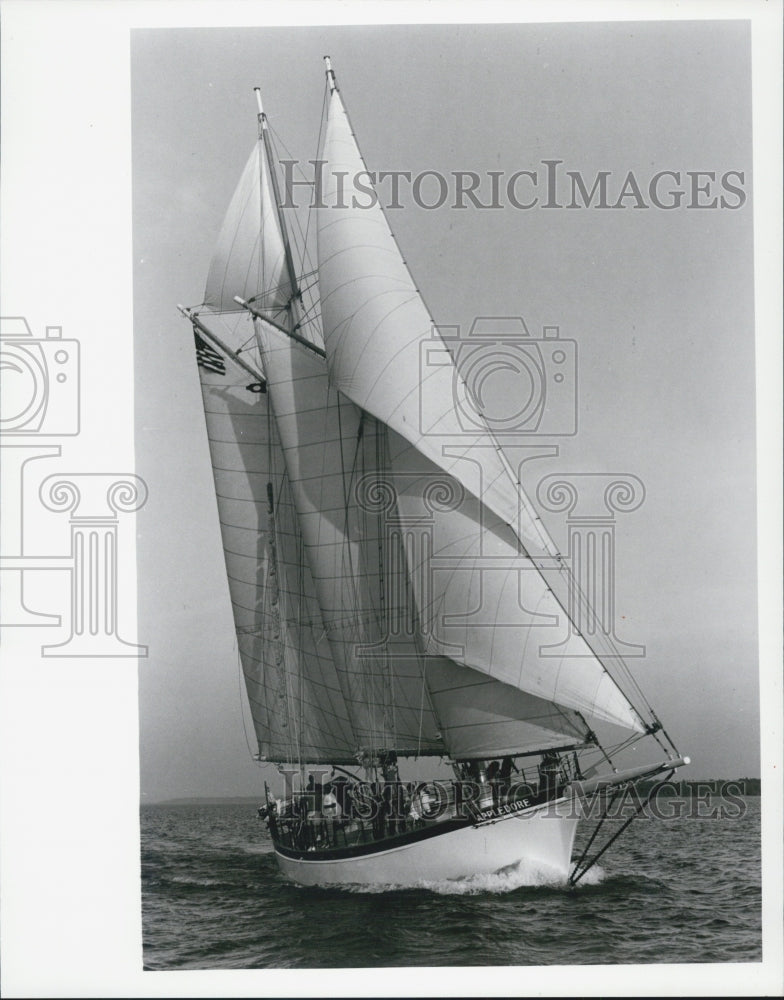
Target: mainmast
[264,136]
[331,81]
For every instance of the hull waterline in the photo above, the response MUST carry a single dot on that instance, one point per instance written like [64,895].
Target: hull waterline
[541,837]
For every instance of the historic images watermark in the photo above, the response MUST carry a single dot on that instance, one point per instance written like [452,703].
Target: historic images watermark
[41,402]
[549,184]
[408,804]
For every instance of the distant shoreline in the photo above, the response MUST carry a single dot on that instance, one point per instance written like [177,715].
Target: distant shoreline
[750,786]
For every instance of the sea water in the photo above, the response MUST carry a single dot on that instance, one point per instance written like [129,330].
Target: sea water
[681,889]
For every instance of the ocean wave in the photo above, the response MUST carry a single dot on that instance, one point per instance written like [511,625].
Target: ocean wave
[525,874]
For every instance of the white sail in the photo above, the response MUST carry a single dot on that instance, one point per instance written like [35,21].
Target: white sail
[338,480]
[329,447]
[376,335]
[293,691]
[481,717]
[249,258]
[485,605]
[377,331]
[298,709]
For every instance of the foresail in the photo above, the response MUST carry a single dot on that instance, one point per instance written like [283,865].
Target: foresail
[329,448]
[295,699]
[249,259]
[383,350]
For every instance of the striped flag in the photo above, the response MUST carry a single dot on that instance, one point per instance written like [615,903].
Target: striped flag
[207,357]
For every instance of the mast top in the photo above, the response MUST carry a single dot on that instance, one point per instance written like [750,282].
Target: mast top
[261,116]
[333,86]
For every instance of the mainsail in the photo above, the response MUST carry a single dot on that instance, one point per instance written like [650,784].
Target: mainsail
[381,561]
[376,329]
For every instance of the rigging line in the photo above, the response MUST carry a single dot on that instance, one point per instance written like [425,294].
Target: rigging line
[240,676]
[275,138]
[288,152]
[300,562]
[313,284]
[322,122]
[314,307]
[356,604]
[272,290]
[273,591]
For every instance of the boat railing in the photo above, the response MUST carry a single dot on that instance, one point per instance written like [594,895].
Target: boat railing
[373,813]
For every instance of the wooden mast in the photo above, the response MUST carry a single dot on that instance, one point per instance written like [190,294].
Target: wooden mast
[264,136]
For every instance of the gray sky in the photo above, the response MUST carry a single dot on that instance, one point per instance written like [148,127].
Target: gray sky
[659,302]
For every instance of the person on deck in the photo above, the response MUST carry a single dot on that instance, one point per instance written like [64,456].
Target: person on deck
[331,811]
[314,794]
[505,778]
[549,773]
[493,771]
[391,791]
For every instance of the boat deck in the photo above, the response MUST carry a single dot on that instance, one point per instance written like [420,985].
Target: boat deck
[297,829]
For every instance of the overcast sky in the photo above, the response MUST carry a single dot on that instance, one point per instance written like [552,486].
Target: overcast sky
[659,302]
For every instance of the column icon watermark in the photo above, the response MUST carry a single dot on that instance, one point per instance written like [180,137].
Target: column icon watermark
[41,403]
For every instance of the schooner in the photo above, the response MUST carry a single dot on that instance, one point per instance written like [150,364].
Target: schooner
[387,569]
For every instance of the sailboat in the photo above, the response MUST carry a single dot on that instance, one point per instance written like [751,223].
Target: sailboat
[388,572]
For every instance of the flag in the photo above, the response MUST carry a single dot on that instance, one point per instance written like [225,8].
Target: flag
[207,357]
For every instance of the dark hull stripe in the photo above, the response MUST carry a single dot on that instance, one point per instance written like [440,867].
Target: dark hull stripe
[375,846]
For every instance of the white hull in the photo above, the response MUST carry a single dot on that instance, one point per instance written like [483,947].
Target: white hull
[542,836]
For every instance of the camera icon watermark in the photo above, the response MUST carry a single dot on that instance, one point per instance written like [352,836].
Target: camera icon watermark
[504,379]
[39,379]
